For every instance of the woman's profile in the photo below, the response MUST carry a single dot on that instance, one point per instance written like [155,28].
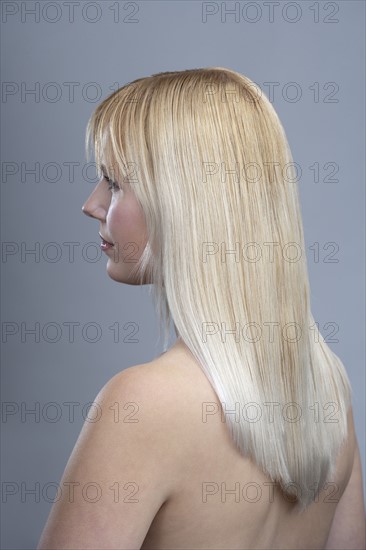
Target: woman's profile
[240,435]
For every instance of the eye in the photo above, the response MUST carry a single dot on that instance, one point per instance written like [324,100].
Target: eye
[112,185]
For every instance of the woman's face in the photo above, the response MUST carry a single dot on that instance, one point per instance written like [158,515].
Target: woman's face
[121,223]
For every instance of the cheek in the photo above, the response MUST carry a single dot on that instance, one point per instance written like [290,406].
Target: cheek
[125,221]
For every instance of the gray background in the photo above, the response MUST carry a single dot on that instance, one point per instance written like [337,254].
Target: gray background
[96,53]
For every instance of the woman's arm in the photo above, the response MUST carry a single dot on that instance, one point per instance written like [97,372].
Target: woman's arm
[348,527]
[116,478]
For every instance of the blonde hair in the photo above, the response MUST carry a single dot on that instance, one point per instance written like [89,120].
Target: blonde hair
[215,265]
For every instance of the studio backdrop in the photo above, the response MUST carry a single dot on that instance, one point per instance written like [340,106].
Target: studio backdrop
[67,327]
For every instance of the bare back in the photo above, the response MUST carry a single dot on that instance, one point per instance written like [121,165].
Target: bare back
[221,500]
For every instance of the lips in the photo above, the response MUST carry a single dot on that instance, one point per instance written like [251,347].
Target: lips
[104,241]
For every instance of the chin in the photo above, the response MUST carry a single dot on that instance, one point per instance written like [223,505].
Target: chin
[112,270]
[119,277]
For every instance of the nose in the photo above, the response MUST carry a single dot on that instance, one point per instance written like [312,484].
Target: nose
[94,206]
[96,212]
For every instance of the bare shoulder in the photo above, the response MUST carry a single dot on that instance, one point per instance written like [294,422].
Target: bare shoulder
[168,389]
[348,527]
[171,393]
[172,380]
[136,438]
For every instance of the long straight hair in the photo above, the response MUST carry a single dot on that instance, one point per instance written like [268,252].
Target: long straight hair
[208,160]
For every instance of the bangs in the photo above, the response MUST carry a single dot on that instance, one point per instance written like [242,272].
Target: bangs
[106,135]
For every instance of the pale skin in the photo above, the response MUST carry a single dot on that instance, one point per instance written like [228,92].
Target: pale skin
[122,223]
[166,478]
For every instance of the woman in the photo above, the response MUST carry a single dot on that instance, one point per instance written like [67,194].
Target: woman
[241,434]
